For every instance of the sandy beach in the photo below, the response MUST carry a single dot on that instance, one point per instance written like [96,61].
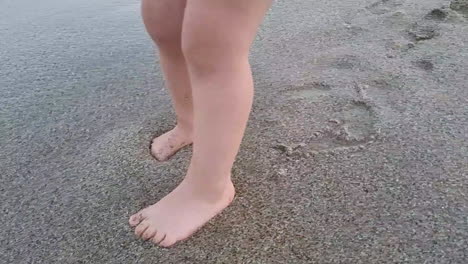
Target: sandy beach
[356,150]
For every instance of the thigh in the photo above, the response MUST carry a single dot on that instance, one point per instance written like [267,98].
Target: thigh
[221,27]
[163,19]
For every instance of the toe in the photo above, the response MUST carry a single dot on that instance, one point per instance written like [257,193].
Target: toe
[160,236]
[141,228]
[168,241]
[149,233]
[158,154]
[136,219]
[160,157]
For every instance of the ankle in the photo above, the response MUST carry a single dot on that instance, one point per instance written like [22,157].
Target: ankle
[209,191]
[185,128]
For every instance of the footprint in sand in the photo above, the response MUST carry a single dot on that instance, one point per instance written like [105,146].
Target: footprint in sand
[384,6]
[437,14]
[424,64]
[358,120]
[460,6]
[428,27]
[312,92]
[454,14]
[348,129]
[340,123]
[421,31]
[341,62]
[386,89]
[346,62]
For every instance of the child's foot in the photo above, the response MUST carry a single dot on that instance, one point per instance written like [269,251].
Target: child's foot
[166,145]
[180,213]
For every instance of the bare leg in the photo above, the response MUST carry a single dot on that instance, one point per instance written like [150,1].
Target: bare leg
[163,20]
[216,38]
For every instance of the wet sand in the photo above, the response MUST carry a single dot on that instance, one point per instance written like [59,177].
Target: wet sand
[356,151]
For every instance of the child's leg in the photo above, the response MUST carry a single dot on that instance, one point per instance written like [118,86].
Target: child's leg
[163,20]
[216,37]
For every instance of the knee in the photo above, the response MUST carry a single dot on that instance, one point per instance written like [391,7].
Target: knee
[197,53]
[165,36]
[165,29]
[205,54]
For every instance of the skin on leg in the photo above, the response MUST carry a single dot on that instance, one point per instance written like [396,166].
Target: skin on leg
[216,38]
[163,20]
